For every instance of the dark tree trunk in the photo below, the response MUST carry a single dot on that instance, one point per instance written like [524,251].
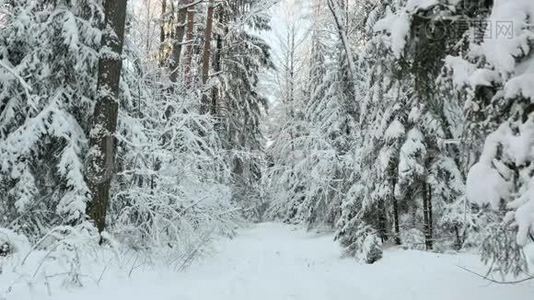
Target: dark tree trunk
[217,69]
[393,182]
[427,216]
[206,55]
[396,221]
[430,220]
[458,242]
[162,32]
[178,39]
[382,222]
[102,154]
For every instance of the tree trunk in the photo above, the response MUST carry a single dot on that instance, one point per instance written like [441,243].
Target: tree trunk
[393,182]
[290,78]
[430,220]
[396,221]
[148,27]
[427,215]
[178,39]
[162,32]
[189,50]
[217,69]
[102,153]
[458,239]
[352,107]
[206,55]
[382,222]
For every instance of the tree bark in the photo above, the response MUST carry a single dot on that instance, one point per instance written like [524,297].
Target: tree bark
[427,216]
[162,32]
[189,50]
[148,27]
[206,55]
[178,39]
[430,219]
[396,222]
[217,69]
[396,225]
[102,152]
[379,218]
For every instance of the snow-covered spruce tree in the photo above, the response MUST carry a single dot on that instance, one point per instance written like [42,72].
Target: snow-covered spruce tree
[502,178]
[170,181]
[330,142]
[468,91]
[435,32]
[428,173]
[237,101]
[335,108]
[403,127]
[48,64]
[286,176]
[313,150]
[360,213]
[335,128]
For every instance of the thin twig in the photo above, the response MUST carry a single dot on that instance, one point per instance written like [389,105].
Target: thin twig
[530,277]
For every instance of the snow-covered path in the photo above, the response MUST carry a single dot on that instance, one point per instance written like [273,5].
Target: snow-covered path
[280,262]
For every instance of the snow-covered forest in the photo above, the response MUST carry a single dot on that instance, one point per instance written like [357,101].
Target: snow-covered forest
[267,149]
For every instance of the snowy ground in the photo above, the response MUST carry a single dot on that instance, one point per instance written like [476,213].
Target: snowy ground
[280,262]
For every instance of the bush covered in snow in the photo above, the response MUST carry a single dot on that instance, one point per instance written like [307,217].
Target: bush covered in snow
[12,243]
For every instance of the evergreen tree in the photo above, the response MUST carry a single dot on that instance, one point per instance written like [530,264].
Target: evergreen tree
[243,55]
[49,55]
[504,164]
